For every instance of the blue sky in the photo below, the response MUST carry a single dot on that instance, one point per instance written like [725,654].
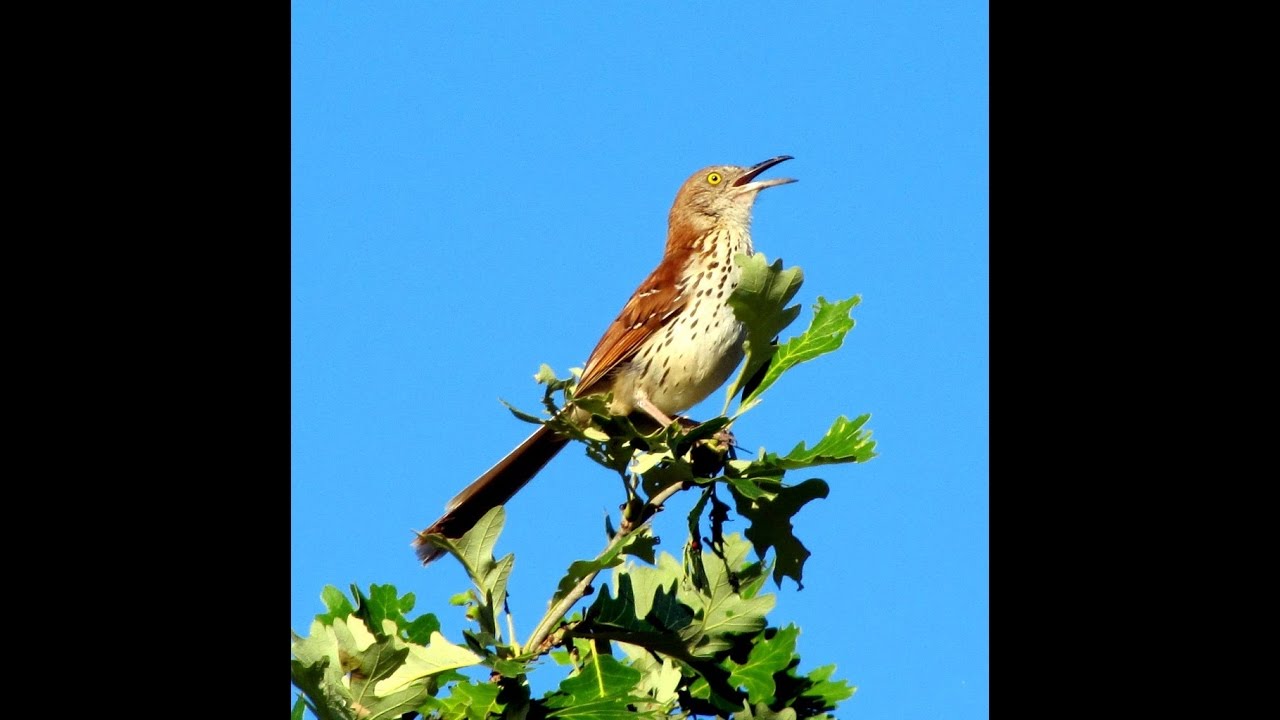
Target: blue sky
[478,187]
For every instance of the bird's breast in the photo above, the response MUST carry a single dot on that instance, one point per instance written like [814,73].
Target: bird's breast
[698,349]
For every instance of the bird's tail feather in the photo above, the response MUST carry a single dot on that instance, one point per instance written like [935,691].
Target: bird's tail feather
[492,489]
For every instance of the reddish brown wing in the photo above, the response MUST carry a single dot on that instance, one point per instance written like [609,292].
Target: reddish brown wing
[654,304]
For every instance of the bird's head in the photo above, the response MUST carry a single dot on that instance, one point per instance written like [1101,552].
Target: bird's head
[720,194]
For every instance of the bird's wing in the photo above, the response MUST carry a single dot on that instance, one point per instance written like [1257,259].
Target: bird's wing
[655,303]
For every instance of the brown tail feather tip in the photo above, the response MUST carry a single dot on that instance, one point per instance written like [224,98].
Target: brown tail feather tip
[426,551]
[491,489]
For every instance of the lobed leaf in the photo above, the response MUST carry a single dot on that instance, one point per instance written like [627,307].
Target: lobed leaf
[316,669]
[828,691]
[604,689]
[469,700]
[722,611]
[763,712]
[760,303]
[495,581]
[424,661]
[767,657]
[826,332]
[421,628]
[770,514]
[844,442]
[639,543]
[475,548]
[336,602]
[383,603]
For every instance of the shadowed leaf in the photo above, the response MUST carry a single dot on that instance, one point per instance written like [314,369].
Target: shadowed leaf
[768,656]
[639,543]
[770,514]
[603,689]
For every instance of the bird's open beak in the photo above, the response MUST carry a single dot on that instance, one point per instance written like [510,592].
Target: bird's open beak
[745,183]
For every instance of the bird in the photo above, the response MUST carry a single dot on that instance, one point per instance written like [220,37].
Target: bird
[675,341]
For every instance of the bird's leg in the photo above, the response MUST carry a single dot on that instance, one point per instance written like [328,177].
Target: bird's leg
[720,445]
[725,437]
[652,411]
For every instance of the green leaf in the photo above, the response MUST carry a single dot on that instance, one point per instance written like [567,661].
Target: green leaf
[471,701]
[643,546]
[370,659]
[299,708]
[750,488]
[520,414]
[660,609]
[615,617]
[507,668]
[384,603]
[337,603]
[316,670]
[420,629]
[448,676]
[639,543]
[695,514]
[475,548]
[661,685]
[694,568]
[325,698]
[362,612]
[830,323]
[761,467]
[760,303]
[603,690]
[763,712]
[844,442]
[768,656]
[701,431]
[346,671]
[751,579]
[578,570]
[618,610]
[480,642]
[722,611]
[366,659]
[770,514]
[660,678]
[495,581]
[659,477]
[828,691]
[318,647]
[647,582]
[424,661]
[667,612]
[595,404]
[813,695]
[545,375]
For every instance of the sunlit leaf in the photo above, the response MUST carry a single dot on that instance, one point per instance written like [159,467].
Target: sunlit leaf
[760,303]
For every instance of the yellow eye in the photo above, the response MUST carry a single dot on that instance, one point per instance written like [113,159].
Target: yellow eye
[714,178]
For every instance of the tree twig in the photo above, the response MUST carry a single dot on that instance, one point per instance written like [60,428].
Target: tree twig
[560,609]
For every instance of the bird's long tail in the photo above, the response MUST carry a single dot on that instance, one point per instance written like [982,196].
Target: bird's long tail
[492,489]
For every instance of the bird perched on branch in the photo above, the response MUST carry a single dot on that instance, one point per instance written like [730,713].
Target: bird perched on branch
[675,341]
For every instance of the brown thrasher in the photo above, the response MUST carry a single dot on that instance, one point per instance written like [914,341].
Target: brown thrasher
[675,341]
